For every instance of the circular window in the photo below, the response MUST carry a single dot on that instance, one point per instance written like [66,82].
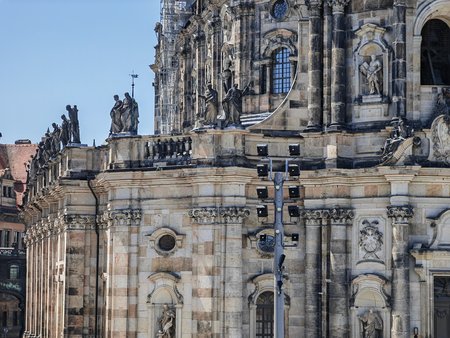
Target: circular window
[267,244]
[279,9]
[166,242]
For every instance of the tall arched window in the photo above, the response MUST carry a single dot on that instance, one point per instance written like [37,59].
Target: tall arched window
[435,53]
[14,272]
[264,315]
[281,71]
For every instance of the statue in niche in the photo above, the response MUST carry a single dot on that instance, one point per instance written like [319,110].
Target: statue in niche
[211,99]
[371,71]
[64,135]
[116,121]
[74,125]
[166,323]
[371,325]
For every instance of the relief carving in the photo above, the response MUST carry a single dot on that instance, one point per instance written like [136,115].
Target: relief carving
[440,130]
[371,240]
[219,215]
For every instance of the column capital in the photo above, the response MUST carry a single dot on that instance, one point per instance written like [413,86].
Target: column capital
[122,217]
[314,4]
[219,215]
[338,5]
[400,214]
[341,215]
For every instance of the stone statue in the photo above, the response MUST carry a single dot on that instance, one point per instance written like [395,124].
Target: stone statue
[400,133]
[232,104]
[56,138]
[74,125]
[211,99]
[129,115]
[372,325]
[370,71]
[116,112]
[166,323]
[64,135]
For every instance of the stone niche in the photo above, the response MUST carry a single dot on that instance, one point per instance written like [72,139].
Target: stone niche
[372,59]
[369,302]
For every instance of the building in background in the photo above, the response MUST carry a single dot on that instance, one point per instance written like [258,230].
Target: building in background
[13,160]
[158,236]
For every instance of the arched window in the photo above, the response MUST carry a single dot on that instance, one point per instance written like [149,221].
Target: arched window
[14,272]
[435,53]
[281,71]
[264,315]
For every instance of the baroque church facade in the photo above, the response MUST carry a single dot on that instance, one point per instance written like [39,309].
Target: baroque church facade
[158,235]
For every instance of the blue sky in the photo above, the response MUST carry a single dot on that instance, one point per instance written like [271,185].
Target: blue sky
[59,52]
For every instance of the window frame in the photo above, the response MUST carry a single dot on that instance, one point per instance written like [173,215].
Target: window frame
[281,77]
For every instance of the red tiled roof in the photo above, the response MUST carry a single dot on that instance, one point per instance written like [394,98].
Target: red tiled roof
[15,157]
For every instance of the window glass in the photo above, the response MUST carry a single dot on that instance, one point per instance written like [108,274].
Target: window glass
[281,72]
[435,53]
[14,272]
[279,9]
[264,315]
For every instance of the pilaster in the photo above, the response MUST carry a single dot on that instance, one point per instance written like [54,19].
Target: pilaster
[315,64]
[400,217]
[217,253]
[338,78]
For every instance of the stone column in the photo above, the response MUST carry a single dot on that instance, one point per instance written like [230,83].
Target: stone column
[315,64]
[327,45]
[313,221]
[400,217]
[199,39]
[243,42]
[338,78]
[339,325]
[215,52]
[399,62]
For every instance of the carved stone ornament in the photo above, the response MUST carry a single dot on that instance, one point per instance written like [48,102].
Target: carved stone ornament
[219,215]
[77,222]
[338,5]
[372,324]
[166,323]
[279,38]
[370,240]
[440,130]
[122,217]
[204,327]
[400,214]
[336,215]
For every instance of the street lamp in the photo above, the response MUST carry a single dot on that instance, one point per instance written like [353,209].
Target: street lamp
[265,172]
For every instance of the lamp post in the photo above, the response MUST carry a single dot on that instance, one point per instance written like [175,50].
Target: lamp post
[265,171]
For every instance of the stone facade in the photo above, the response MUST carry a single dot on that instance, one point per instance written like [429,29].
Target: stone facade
[157,236]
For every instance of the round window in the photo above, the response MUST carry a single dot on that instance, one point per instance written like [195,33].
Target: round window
[166,242]
[279,9]
[267,244]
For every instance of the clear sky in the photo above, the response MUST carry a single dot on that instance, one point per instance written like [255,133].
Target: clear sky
[59,52]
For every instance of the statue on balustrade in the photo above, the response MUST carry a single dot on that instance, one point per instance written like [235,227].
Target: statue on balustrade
[64,135]
[124,115]
[211,99]
[74,124]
